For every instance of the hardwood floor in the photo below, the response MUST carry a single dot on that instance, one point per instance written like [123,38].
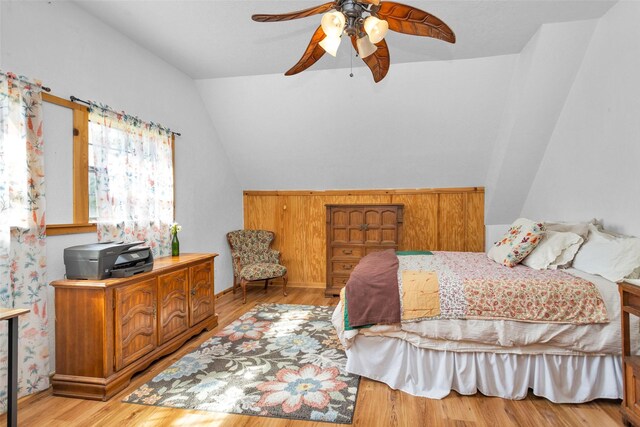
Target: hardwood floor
[377,404]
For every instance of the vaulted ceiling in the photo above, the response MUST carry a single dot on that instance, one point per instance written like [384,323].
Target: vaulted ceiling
[217,38]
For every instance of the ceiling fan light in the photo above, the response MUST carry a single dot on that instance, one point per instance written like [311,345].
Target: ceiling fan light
[375,28]
[365,47]
[330,45]
[333,23]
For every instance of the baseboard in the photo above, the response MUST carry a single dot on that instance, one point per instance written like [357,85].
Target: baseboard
[224,292]
[306,285]
[277,282]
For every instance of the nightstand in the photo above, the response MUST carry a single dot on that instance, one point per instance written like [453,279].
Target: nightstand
[630,302]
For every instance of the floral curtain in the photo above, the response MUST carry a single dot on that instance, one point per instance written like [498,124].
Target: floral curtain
[22,232]
[132,164]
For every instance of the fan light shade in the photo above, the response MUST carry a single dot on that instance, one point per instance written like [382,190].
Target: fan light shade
[330,45]
[333,23]
[365,47]
[375,28]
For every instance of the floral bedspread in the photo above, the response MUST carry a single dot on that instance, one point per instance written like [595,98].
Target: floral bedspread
[471,286]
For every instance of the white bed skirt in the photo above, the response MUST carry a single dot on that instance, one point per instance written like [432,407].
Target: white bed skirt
[434,373]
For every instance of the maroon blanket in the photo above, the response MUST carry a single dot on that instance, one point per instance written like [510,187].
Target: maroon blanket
[372,290]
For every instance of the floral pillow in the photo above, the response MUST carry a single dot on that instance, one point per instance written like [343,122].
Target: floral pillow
[523,236]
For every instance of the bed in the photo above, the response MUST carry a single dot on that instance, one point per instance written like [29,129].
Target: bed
[564,361]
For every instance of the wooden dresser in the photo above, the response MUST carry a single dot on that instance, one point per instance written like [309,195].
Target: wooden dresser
[107,330]
[630,301]
[354,231]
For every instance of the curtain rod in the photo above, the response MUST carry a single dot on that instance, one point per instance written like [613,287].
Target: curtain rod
[25,80]
[75,99]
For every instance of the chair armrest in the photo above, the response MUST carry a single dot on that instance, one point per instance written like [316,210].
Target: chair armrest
[235,261]
[273,256]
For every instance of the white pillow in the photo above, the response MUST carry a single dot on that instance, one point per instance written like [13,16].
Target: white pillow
[565,259]
[580,228]
[557,248]
[523,236]
[635,274]
[611,257]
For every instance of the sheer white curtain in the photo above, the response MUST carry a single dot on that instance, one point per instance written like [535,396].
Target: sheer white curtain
[22,232]
[132,162]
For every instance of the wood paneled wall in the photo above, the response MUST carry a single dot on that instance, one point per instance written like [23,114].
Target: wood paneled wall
[445,219]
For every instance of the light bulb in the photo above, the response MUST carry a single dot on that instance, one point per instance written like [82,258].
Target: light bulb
[365,47]
[330,45]
[333,23]
[376,28]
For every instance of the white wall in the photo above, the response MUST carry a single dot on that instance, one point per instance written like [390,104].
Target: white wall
[590,168]
[544,74]
[430,124]
[75,54]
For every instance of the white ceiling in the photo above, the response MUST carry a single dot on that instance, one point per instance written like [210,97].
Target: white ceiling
[217,38]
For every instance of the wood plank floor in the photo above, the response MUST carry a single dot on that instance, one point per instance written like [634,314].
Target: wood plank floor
[377,404]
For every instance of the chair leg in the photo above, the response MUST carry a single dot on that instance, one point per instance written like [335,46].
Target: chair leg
[285,278]
[243,283]
[266,283]
[235,284]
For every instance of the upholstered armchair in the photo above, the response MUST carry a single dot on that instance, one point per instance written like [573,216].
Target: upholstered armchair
[254,260]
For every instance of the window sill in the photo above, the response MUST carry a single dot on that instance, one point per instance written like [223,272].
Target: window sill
[59,229]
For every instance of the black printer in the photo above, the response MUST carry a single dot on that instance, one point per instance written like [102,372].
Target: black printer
[110,259]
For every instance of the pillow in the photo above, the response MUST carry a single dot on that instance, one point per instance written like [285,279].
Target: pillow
[523,236]
[565,259]
[609,256]
[557,248]
[635,274]
[579,228]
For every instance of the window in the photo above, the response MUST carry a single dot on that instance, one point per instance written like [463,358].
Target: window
[76,217]
[83,213]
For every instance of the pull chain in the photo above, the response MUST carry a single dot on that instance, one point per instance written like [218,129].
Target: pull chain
[351,58]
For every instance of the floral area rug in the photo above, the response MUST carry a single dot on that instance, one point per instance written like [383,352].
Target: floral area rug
[277,360]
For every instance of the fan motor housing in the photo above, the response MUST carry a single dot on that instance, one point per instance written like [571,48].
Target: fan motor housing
[353,11]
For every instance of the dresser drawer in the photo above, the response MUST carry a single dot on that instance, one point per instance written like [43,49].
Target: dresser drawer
[372,249]
[342,252]
[339,281]
[343,267]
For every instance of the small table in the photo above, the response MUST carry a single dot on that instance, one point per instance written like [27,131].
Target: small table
[11,314]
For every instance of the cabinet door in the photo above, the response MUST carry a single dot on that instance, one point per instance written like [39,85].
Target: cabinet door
[173,318]
[381,225]
[347,225]
[135,321]
[201,293]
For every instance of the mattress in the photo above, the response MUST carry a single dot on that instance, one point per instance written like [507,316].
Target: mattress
[507,336]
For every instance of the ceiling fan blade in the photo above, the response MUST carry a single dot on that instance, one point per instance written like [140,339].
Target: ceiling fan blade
[379,61]
[294,15]
[311,55]
[409,20]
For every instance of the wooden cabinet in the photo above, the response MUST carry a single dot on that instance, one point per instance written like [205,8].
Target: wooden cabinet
[354,231]
[630,301]
[173,306]
[201,295]
[107,330]
[136,330]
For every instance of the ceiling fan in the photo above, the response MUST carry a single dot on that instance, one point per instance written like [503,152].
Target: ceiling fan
[366,22]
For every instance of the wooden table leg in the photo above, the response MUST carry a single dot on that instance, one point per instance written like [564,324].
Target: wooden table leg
[12,383]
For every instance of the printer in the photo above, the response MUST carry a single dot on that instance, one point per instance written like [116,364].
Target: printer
[110,259]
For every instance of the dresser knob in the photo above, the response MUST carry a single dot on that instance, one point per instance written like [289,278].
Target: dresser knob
[347,251]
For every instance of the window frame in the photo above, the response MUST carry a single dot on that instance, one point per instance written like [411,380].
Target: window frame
[80,222]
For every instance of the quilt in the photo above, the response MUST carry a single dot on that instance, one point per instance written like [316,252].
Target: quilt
[467,285]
